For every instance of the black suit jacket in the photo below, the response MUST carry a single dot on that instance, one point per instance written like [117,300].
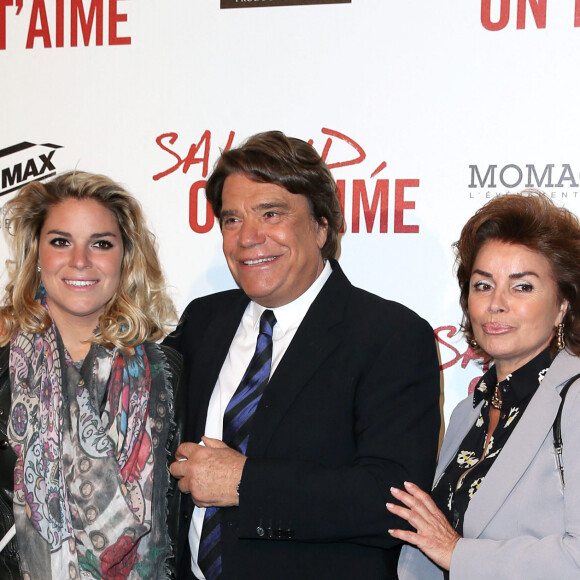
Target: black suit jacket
[351,410]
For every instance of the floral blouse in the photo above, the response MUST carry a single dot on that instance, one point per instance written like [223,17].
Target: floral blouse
[464,475]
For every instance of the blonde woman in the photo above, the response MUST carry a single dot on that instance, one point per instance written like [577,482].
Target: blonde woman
[85,393]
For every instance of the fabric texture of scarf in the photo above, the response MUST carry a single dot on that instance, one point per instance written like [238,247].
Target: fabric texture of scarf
[91,479]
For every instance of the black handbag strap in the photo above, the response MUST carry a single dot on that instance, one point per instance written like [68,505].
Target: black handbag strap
[557,428]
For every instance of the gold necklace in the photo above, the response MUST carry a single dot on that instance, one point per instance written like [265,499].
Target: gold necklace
[496,398]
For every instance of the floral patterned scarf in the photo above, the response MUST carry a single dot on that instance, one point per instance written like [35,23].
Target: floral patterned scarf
[91,478]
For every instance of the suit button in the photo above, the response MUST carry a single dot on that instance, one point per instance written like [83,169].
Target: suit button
[260,531]
[4,444]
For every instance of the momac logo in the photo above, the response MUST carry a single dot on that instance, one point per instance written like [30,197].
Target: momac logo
[26,162]
[491,180]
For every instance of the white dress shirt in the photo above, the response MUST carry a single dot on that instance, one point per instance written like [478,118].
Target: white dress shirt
[288,319]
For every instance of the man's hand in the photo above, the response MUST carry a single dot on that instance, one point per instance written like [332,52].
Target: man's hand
[209,472]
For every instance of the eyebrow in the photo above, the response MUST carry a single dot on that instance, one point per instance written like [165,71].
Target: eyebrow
[513,276]
[271,205]
[260,207]
[93,236]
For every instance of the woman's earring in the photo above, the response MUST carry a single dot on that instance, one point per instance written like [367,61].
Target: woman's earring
[38,268]
[560,337]
[473,344]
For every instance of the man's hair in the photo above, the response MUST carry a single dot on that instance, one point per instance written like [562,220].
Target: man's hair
[139,310]
[291,163]
[531,220]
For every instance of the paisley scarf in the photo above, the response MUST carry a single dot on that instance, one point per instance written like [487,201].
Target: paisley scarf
[91,478]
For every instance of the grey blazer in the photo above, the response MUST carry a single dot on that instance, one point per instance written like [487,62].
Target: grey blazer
[520,523]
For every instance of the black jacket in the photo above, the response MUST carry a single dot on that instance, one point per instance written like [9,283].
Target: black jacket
[9,560]
[351,410]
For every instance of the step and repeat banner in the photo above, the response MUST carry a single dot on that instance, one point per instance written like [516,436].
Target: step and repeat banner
[423,110]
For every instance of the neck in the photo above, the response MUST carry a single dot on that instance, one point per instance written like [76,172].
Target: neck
[76,334]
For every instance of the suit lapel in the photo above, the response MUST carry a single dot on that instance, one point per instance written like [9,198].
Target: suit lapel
[456,433]
[213,350]
[519,451]
[312,344]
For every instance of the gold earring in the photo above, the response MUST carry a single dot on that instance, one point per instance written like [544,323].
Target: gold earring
[560,337]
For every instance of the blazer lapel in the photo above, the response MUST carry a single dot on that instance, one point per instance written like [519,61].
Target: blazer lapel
[519,451]
[213,350]
[455,434]
[312,344]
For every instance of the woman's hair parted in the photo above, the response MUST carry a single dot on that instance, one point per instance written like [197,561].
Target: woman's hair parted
[532,220]
[140,309]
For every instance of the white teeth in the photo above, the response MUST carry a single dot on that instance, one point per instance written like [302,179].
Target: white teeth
[81,282]
[260,261]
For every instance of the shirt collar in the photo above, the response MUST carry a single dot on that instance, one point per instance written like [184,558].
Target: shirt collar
[517,386]
[290,315]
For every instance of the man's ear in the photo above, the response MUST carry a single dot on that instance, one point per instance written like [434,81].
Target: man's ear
[321,232]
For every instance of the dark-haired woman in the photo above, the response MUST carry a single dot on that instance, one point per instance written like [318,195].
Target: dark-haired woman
[506,502]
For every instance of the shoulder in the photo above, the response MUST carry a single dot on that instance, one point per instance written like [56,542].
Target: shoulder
[385,308]
[212,311]
[564,369]
[207,306]
[372,309]
[386,319]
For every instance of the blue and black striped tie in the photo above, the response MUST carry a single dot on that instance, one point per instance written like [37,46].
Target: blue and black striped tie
[236,432]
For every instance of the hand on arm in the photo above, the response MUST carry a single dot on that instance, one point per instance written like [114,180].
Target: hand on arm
[209,472]
[434,536]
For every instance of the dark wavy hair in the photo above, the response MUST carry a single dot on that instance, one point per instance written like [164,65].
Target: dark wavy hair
[530,219]
[291,163]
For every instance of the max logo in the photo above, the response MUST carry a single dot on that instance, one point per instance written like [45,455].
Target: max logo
[26,162]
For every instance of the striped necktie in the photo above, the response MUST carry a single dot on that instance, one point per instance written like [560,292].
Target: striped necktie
[236,432]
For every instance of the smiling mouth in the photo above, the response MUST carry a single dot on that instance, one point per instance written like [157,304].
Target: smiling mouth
[80,283]
[259,261]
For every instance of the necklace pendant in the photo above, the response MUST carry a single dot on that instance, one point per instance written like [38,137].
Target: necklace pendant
[496,398]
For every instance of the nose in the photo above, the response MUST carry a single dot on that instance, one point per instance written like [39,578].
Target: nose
[251,234]
[498,301]
[80,258]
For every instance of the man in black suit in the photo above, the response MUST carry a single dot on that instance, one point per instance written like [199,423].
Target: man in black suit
[352,404]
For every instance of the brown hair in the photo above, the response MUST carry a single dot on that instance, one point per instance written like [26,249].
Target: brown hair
[291,163]
[530,219]
[140,309]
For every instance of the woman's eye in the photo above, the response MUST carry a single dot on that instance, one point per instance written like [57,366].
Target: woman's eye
[59,242]
[481,286]
[524,287]
[103,245]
